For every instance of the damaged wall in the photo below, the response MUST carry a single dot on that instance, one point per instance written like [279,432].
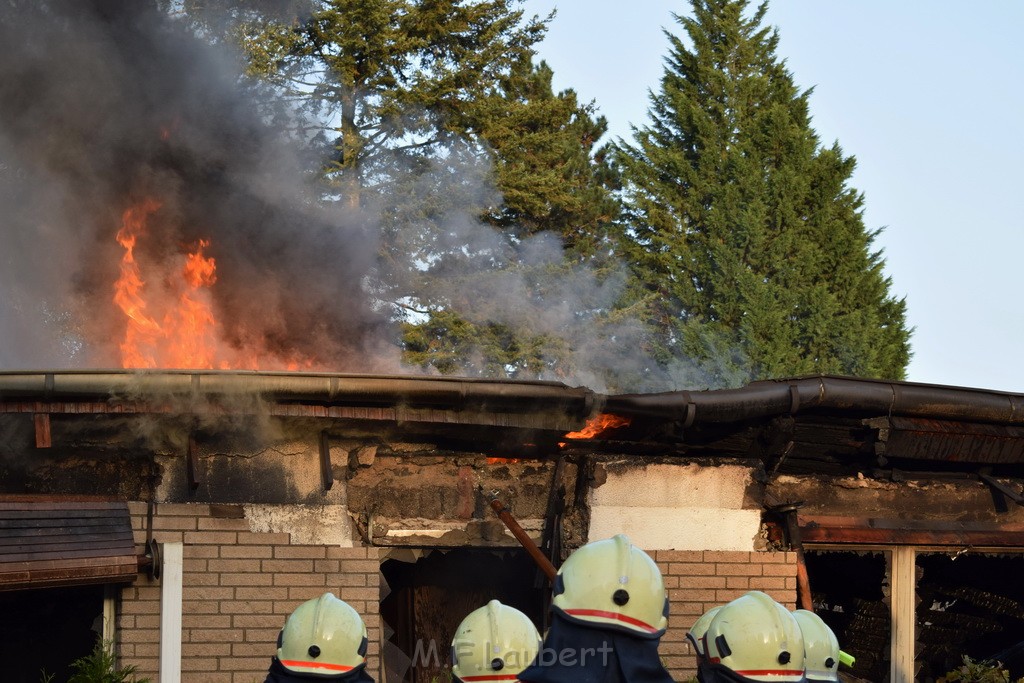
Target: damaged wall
[677,506]
[961,499]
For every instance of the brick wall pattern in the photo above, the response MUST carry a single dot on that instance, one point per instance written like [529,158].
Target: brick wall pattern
[238,587]
[698,580]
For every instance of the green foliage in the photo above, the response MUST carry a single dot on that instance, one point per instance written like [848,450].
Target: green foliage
[983,671]
[748,245]
[100,666]
[432,117]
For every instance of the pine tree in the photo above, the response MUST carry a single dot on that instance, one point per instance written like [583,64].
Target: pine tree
[748,246]
[488,185]
[553,218]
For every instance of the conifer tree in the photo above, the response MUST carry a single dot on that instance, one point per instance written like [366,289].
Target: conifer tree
[434,115]
[747,242]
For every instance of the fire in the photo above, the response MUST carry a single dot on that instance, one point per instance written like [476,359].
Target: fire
[168,306]
[598,425]
[184,335]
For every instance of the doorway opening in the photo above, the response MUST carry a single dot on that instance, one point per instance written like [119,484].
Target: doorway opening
[46,629]
[426,600]
[850,593]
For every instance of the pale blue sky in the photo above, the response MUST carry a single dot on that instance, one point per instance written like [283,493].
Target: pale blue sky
[927,95]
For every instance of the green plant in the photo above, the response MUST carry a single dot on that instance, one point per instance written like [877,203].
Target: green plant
[100,666]
[983,671]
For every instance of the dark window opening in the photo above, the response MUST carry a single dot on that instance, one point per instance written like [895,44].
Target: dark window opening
[847,590]
[44,630]
[969,604]
[425,601]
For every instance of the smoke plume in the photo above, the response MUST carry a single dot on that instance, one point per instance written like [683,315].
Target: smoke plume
[104,104]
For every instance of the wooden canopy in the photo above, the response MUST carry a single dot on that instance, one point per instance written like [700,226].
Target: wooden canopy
[48,541]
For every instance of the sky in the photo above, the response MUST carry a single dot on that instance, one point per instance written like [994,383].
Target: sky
[926,94]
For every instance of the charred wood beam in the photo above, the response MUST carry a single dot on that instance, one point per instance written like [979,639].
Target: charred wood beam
[887,531]
[1000,489]
[192,465]
[326,472]
[787,514]
[774,443]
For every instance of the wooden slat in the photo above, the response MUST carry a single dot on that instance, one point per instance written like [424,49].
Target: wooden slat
[20,534]
[54,540]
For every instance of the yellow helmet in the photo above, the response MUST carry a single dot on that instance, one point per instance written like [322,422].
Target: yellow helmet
[323,636]
[696,634]
[757,639]
[494,642]
[821,648]
[615,585]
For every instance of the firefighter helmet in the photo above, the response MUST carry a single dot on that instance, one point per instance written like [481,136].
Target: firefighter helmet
[821,648]
[323,636]
[494,640]
[696,634]
[612,584]
[756,639]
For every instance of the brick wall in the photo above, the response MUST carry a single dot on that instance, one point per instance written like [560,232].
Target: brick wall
[698,580]
[237,589]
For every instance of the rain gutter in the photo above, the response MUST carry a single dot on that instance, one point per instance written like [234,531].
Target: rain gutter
[824,392]
[332,389]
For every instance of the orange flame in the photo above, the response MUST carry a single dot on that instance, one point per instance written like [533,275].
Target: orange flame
[598,425]
[142,330]
[185,336]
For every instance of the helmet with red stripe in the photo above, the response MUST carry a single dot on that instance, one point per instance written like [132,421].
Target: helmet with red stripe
[696,634]
[612,584]
[323,636]
[821,647]
[494,643]
[754,638]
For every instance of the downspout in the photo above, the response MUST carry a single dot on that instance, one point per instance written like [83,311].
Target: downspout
[170,612]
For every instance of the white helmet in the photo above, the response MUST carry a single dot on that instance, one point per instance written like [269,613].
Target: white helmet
[821,648]
[613,584]
[756,639]
[323,636]
[494,642]
[696,634]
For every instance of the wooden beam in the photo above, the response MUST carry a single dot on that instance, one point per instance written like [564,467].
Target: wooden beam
[326,472]
[192,465]
[890,531]
[42,424]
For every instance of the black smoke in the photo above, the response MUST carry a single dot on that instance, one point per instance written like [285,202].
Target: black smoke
[103,103]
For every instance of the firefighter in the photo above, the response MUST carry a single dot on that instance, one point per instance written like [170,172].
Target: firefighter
[609,612]
[696,634]
[494,642]
[324,639]
[821,648]
[753,638]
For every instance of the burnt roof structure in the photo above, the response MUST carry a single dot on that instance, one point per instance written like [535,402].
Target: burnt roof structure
[819,424]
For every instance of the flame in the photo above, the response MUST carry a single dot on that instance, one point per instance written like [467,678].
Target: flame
[598,425]
[184,337]
[168,307]
[142,330]
[501,461]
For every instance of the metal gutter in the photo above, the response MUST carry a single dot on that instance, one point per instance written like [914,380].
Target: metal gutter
[842,394]
[321,388]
